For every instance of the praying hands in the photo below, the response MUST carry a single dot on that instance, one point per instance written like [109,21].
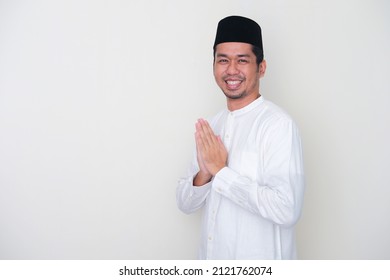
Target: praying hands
[211,153]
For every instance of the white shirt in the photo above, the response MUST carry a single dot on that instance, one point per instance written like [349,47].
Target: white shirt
[250,206]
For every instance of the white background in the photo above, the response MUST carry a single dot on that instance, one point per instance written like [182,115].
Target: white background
[98,101]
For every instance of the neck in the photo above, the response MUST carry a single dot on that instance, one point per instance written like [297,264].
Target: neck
[236,104]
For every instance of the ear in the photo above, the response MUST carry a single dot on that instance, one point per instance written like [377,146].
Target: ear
[262,68]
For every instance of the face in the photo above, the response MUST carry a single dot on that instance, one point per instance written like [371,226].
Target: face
[236,71]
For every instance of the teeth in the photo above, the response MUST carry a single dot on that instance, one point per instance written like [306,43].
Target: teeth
[233,82]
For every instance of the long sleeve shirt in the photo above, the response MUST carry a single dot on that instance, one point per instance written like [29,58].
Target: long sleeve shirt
[252,204]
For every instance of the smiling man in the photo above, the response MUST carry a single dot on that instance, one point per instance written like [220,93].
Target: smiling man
[248,170]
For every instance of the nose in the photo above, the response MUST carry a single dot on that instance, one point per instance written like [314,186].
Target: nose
[232,68]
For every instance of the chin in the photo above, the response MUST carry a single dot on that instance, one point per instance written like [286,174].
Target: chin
[233,95]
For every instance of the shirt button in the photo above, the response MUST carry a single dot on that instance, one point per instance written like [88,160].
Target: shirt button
[210,238]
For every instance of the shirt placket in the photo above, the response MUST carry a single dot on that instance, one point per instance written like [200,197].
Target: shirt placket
[210,236]
[229,131]
[227,139]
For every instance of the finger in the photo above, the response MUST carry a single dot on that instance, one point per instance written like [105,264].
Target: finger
[198,140]
[208,132]
[220,142]
[203,134]
[202,145]
[199,145]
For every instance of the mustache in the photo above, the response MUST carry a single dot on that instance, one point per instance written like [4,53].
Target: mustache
[233,77]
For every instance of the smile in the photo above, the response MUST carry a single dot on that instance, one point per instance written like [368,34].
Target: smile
[233,84]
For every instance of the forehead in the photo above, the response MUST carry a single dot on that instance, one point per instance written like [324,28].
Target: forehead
[234,49]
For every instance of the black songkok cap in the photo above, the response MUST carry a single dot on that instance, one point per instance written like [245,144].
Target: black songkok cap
[238,29]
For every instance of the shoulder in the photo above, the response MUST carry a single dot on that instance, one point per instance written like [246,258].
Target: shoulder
[273,122]
[274,111]
[272,114]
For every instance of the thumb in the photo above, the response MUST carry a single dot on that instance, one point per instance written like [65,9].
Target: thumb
[220,140]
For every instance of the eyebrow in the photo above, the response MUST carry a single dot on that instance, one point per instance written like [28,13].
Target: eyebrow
[239,55]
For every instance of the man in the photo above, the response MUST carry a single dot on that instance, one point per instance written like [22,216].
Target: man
[248,171]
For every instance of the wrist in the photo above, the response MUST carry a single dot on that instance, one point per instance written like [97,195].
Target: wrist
[201,178]
[216,170]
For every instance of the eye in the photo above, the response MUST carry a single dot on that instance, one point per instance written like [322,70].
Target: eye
[223,60]
[242,61]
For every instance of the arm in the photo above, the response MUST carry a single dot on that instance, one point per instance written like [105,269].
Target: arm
[190,197]
[279,195]
[211,156]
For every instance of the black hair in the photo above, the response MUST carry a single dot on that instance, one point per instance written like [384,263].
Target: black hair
[258,53]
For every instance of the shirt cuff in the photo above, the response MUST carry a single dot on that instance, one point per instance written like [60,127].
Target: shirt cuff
[229,183]
[224,179]
[200,190]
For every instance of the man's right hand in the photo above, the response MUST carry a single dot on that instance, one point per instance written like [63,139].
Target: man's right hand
[211,153]
[203,176]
